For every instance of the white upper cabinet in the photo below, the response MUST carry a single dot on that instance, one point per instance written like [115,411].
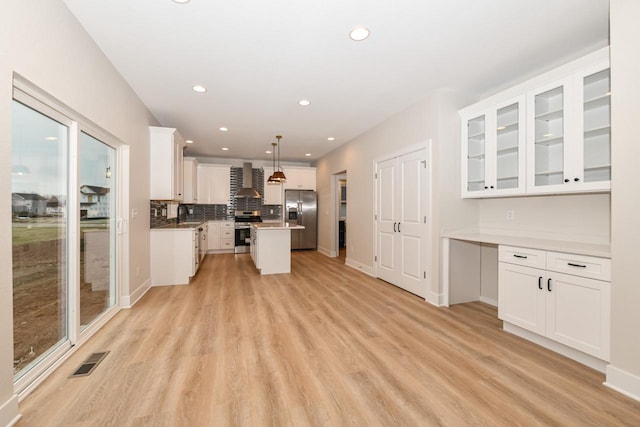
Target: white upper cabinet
[551,134]
[214,184]
[272,192]
[190,180]
[569,142]
[300,178]
[493,150]
[165,164]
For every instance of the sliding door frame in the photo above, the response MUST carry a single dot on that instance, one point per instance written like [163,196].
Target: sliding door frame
[33,97]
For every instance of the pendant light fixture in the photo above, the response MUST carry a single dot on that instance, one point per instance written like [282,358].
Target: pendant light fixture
[278,174]
[272,179]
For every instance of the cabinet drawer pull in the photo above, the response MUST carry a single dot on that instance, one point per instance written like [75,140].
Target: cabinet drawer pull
[549,285]
[520,256]
[540,282]
[576,265]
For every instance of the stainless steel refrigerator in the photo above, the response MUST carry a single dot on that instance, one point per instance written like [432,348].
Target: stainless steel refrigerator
[301,209]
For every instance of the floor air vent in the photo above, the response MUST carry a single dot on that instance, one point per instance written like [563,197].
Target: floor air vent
[89,364]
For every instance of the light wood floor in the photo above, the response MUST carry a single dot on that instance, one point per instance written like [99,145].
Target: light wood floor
[325,345]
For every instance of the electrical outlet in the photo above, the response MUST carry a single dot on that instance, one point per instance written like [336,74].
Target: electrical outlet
[511,215]
[271,211]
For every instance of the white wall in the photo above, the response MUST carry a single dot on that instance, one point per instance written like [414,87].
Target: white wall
[624,371]
[585,217]
[42,41]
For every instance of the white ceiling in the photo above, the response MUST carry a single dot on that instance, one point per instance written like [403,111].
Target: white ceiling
[258,58]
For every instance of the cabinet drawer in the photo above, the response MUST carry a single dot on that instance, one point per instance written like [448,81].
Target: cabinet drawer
[227,234]
[227,243]
[522,256]
[580,265]
[224,225]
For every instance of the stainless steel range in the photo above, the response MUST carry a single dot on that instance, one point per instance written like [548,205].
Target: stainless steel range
[243,220]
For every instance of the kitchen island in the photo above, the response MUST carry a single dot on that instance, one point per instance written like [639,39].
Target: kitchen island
[271,246]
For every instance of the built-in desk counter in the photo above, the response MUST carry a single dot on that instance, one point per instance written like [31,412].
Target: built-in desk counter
[271,246]
[556,293]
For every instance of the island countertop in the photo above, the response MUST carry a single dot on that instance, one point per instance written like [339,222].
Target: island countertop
[276,226]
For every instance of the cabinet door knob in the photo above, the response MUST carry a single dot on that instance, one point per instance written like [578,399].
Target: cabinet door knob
[566,180]
[492,186]
[576,179]
[485,187]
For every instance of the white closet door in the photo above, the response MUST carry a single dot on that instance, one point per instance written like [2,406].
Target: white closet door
[412,227]
[402,198]
[387,220]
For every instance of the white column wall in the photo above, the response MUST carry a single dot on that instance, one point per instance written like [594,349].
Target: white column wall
[624,371]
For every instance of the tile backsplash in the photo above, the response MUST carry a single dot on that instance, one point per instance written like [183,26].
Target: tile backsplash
[197,212]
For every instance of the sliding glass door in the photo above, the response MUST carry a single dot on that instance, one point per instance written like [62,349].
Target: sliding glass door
[97,228]
[40,235]
[64,194]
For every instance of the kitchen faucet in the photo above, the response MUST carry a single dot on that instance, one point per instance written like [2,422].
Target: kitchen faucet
[178,212]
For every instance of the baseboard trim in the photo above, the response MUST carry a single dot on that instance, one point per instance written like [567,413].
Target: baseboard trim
[9,414]
[433,298]
[578,356]
[327,252]
[366,269]
[623,382]
[489,301]
[130,300]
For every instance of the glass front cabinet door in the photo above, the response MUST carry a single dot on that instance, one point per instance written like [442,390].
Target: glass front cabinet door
[569,134]
[493,150]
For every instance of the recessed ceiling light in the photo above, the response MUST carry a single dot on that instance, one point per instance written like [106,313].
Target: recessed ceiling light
[225,149]
[188,141]
[308,154]
[223,129]
[182,1]
[359,33]
[51,138]
[331,138]
[304,102]
[199,89]
[268,152]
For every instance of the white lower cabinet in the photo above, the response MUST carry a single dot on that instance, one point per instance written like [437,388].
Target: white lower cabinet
[571,309]
[174,256]
[221,236]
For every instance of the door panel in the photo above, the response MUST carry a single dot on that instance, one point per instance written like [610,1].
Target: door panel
[97,228]
[387,254]
[578,313]
[40,231]
[402,204]
[520,299]
[308,218]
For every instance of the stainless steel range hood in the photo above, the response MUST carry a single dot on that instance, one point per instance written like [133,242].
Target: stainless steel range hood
[247,189]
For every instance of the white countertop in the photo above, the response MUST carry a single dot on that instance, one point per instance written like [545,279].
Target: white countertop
[503,237]
[181,226]
[276,226]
